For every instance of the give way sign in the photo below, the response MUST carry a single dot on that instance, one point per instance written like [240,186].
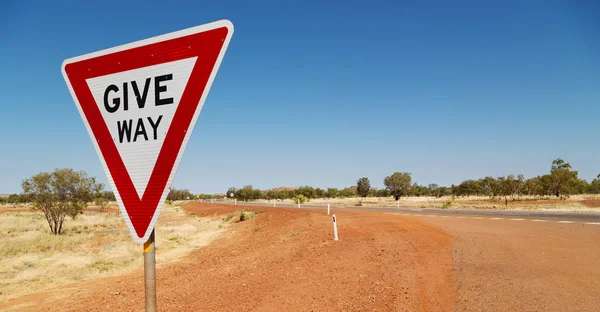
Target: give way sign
[139,103]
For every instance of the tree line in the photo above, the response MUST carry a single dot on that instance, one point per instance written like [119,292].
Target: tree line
[561,182]
[65,192]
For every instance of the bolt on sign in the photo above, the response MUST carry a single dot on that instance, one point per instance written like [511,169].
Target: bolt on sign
[140,103]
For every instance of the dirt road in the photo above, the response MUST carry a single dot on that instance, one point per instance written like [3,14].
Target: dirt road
[286,260]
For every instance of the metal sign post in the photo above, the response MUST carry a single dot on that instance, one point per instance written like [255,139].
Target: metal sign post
[150,273]
[174,73]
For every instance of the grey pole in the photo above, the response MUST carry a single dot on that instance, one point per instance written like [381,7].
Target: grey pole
[150,273]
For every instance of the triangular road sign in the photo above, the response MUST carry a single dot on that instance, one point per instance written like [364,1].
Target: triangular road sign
[139,103]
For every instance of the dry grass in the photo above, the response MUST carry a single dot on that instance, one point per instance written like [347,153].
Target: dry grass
[94,245]
[573,203]
[15,208]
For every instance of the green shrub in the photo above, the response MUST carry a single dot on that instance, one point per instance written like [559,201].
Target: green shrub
[301,198]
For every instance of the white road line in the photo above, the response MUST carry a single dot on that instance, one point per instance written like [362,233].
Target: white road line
[479,218]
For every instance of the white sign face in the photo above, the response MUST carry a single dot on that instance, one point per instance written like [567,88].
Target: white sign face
[139,103]
[136,123]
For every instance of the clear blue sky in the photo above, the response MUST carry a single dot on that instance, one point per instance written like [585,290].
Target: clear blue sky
[322,94]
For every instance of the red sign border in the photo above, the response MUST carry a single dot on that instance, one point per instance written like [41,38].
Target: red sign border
[206,42]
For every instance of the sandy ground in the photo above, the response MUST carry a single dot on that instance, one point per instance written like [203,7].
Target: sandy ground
[286,260]
[505,265]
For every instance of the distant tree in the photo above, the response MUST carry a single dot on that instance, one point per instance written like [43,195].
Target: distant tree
[512,186]
[257,194]
[441,191]
[108,195]
[384,192]
[348,192]
[562,178]
[245,193]
[307,191]
[373,192]
[60,193]
[420,190]
[176,194]
[285,194]
[489,187]
[230,192]
[468,188]
[545,183]
[530,187]
[100,199]
[271,194]
[363,186]
[398,184]
[13,199]
[454,190]
[248,192]
[433,186]
[332,192]
[519,185]
[578,186]
[594,186]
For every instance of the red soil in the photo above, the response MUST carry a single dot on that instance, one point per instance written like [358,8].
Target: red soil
[286,260]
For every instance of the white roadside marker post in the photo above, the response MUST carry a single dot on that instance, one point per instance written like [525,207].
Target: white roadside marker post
[398,204]
[298,202]
[274,201]
[328,208]
[235,201]
[212,201]
[335,236]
